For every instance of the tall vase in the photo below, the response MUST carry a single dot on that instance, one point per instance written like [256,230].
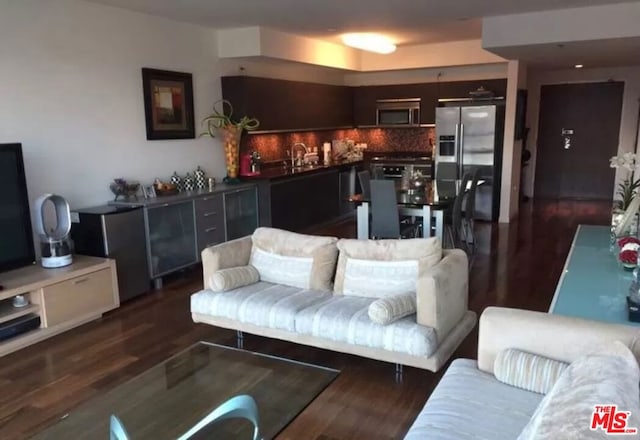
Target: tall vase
[231,140]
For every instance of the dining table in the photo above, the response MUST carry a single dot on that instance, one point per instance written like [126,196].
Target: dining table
[428,204]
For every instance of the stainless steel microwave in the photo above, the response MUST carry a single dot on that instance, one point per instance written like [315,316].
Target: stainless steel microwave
[398,112]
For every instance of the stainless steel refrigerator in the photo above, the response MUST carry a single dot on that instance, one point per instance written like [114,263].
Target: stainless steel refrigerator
[468,138]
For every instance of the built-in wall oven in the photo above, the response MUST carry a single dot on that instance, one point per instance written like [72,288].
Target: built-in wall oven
[394,167]
[398,112]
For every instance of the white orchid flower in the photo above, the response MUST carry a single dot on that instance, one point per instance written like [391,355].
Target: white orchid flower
[629,157]
[616,161]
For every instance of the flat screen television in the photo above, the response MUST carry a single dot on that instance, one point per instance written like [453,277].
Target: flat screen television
[16,236]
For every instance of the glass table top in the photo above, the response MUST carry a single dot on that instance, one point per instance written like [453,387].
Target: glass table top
[168,399]
[593,285]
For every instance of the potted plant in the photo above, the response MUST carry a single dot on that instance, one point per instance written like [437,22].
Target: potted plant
[221,122]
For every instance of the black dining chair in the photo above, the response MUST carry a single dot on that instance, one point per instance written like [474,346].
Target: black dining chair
[468,221]
[365,183]
[385,217]
[453,222]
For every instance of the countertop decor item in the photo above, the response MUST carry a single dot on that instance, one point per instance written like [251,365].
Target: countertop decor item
[200,178]
[221,122]
[168,104]
[189,182]
[177,181]
[164,189]
[122,188]
[628,254]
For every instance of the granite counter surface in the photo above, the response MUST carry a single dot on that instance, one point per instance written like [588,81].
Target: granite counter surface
[280,172]
[183,196]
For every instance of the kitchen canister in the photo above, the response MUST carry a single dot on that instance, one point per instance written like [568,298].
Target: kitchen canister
[188,182]
[177,181]
[200,178]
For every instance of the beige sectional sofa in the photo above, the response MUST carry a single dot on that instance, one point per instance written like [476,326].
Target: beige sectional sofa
[319,291]
[481,400]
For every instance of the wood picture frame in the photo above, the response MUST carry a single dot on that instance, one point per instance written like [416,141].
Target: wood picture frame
[168,104]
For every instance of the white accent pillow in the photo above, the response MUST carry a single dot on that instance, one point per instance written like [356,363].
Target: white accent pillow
[233,277]
[278,269]
[411,256]
[391,308]
[609,377]
[322,251]
[378,279]
[527,371]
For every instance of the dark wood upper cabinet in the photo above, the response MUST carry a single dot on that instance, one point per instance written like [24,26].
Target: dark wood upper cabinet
[365,97]
[295,105]
[289,105]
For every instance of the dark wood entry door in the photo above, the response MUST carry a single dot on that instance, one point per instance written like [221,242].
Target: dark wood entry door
[579,126]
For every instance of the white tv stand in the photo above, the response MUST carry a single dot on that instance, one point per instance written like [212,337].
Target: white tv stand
[64,298]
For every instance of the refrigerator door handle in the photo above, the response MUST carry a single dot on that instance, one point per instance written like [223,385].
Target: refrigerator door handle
[460,152]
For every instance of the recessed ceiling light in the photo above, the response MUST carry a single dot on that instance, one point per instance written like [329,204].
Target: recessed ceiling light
[370,42]
[578,66]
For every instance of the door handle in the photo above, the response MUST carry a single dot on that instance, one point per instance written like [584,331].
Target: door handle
[460,169]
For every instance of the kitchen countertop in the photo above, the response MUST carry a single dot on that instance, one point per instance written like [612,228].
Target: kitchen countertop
[279,172]
[183,196]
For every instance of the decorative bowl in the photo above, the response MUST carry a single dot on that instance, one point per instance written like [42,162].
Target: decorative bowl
[122,188]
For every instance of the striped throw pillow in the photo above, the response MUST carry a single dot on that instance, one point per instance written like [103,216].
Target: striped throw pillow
[233,278]
[527,371]
[391,308]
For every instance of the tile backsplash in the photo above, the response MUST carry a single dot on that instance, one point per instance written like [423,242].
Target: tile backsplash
[274,146]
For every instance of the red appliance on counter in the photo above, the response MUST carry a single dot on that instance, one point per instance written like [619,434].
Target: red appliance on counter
[249,164]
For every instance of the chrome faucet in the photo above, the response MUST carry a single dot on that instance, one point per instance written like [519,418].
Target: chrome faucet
[298,162]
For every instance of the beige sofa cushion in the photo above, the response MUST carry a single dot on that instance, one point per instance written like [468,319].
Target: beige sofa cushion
[609,377]
[292,259]
[391,308]
[233,277]
[379,268]
[527,371]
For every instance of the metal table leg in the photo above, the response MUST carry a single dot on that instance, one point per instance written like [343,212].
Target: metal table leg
[439,217]
[362,216]
[426,221]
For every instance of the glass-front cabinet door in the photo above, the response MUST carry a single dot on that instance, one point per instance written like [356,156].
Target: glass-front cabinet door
[241,210]
[172,237]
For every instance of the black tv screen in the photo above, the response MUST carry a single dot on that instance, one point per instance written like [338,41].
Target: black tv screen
[16,236]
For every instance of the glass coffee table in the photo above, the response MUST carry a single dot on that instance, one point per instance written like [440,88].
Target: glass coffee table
[165,401]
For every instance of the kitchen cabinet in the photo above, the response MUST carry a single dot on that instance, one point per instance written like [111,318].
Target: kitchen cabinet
[171,237]
[289,105]
[241,212]
[210,222]
[179,227]
[297,203]
[365,97]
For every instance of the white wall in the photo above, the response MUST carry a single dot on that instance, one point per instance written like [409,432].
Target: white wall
[562,25]
[452,53]
[269,43]
[278,69]
[512,149]
[428,75]
[628,123]
[72,94]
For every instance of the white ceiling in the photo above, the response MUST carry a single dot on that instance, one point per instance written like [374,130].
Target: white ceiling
[408,21]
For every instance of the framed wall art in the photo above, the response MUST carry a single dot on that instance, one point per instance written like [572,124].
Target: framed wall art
[168,104]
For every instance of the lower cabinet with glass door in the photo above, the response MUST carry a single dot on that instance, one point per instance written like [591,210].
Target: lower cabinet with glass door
[179,227]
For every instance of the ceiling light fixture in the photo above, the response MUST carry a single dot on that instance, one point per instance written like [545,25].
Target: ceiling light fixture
[578,66]
[370,42]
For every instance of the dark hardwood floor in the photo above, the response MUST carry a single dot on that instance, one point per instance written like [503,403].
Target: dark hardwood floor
[517,265]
